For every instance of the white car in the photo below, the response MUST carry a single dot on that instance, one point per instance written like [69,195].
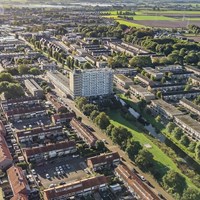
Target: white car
[47,176]
[75,156]
[33,172]
[142,178]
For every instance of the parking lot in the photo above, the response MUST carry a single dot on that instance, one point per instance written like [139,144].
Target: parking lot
[61,171]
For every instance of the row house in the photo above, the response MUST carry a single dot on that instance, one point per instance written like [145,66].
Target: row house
[77,189]
[18,182]
[83,132]
[39,154]
[5,155]
[59,107]
[190,106]
[167,87]
[29,135]
[189,125]
[102,161]
[125,71]
[134,184]
[122,80]
[63,117]
[166,110]
[177,95]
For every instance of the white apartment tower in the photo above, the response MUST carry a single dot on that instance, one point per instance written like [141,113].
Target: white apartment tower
[91,82]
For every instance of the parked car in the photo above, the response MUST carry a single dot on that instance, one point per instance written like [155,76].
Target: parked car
[48,176]
[33,172]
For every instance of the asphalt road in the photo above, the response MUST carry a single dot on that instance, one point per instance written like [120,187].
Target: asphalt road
[100,135]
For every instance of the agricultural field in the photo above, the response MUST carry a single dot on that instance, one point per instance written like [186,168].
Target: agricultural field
[162,19]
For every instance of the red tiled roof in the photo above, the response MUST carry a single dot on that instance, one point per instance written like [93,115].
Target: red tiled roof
[135,183]
[84,131]
[51,147]
[71,188]
[63,116]
[38,130]
[4,150]
[20,197]
[24,110]
[17,180]
[19,100]
[104,158]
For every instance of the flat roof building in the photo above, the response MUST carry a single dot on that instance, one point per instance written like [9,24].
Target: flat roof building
[91,82]
[165,109]
[34,88]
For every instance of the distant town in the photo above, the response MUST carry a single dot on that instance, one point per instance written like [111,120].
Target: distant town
[99,101]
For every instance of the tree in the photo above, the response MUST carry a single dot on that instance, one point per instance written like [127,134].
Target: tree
[173,182]
[191,194]
[141,61]
[80,102]
[159,94]
[185,140]
[100,146]
[177,132]
[197,151]
[88,108]
[170,127]
[187,87]
[102,120]
[121,136]
[132,149]
[23,69]
[109,129]
[87,66]
[158,118]
[4,76]
[192,146]
[35,71]
[144,159]
[94,114]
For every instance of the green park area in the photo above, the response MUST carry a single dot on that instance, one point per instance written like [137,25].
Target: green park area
[164,162]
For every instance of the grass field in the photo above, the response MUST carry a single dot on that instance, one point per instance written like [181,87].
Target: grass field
[164,162]
[165,18]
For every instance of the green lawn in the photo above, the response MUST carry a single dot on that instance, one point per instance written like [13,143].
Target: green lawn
[164,162]
[160,127]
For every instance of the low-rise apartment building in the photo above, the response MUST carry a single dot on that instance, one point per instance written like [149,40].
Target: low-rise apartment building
[78,188]
[122,80]
[195,70]
[164,109]
[141,93]
[102,161]
[190,106]
[145,80]
[29,135]
[177,95]
[59,81]
[62,118]
[189,125]
[83,132]
[18,182]
[39,154]
[195,80]
[157,75]
[169,68]
[134,183]
[5,155]
[34,88]
[167,87]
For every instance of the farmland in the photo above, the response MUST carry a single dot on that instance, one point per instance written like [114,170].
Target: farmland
[163,19]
